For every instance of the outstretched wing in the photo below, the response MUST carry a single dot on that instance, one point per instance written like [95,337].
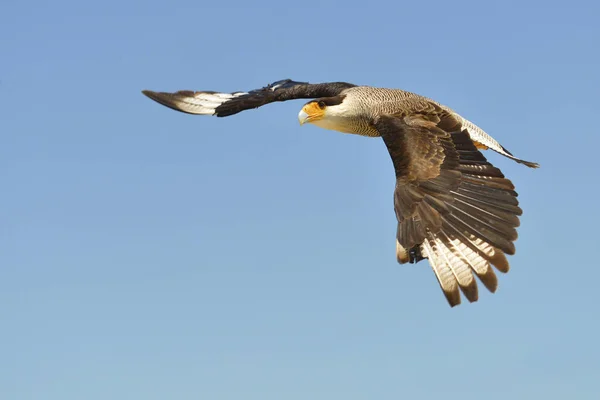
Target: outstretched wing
[453,207]
[225,104]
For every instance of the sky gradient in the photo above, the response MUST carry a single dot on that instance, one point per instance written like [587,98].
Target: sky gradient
[149,254]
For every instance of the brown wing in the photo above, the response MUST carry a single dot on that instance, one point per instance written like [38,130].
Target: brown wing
[453,207]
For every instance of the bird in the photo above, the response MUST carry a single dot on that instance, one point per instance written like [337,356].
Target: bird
[453,207]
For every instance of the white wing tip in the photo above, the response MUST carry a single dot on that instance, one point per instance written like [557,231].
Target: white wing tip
[198,103]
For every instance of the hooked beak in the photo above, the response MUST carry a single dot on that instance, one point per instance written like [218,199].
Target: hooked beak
[302,117]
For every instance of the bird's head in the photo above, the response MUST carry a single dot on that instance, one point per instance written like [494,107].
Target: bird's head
[327,112]
[312,112]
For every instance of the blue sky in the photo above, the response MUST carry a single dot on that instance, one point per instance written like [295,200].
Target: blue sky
[149,254]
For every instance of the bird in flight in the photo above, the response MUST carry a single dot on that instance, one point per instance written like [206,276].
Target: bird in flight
[453,207]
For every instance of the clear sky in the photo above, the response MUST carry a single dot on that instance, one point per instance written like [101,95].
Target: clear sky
[149,254]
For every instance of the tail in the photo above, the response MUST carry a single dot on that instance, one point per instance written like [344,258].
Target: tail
[508,154]
[486,141]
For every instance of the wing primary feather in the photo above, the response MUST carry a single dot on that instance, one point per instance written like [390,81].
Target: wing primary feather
[480,221]
[489,236]
[475,260]
[506,218]
[503,203]
[484,249]
[460,269]
[444,275]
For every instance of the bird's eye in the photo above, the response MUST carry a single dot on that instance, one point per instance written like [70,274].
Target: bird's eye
[322,104]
